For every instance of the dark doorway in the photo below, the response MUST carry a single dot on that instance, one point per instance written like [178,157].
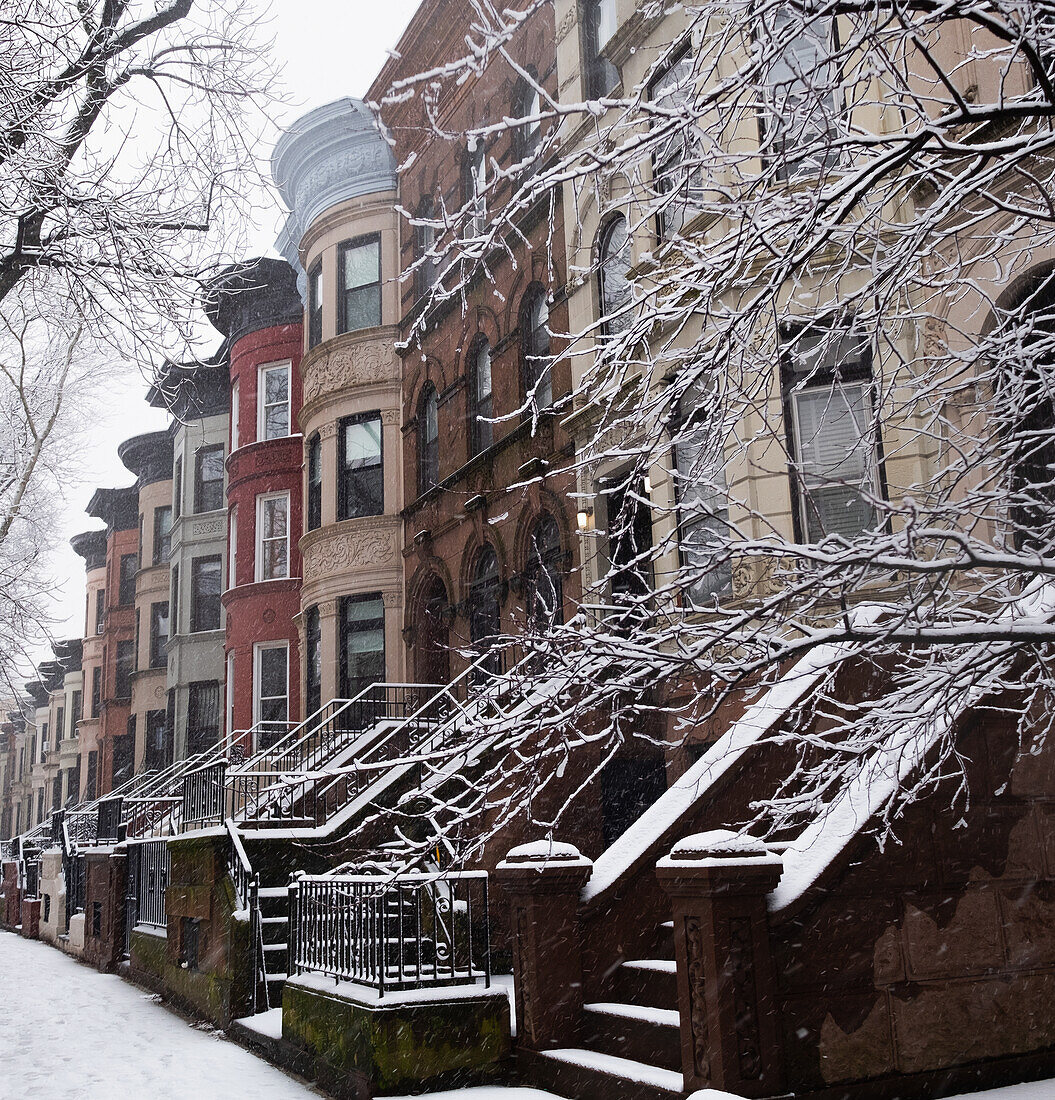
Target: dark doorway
[629,785]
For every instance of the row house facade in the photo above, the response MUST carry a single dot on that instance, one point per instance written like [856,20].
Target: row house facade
[91,546]
[197,396]
[489,539]
[257,308]
[149,457]
[119,510]
[338,178]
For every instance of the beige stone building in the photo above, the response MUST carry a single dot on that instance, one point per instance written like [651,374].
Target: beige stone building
[337,174]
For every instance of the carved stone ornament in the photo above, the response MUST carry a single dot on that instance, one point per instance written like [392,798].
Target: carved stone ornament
[697,1000]
[352,550]
[345,368]
[208,527]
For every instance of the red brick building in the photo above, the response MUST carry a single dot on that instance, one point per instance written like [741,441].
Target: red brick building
[257,308]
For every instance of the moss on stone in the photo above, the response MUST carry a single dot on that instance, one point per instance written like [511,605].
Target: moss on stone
[400,1047]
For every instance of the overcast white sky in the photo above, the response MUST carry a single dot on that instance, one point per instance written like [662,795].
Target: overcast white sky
[325,49]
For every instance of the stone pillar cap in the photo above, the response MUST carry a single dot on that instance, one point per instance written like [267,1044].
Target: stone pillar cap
[541,853]
[720,848]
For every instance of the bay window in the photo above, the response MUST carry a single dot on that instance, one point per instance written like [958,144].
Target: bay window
[480,408]
[359,267]
[362,643]
[315,304]
[206,585]
[162,535]
[273,415]
[270,691]
[360,491]
[428,439]
[314,483]
[208,478]
[272,536]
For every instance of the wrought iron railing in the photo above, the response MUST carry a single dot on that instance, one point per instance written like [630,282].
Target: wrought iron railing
[75,867]
[31,880]
[247,892]
[109,828]
[392,933]
[148,876]
[203,797]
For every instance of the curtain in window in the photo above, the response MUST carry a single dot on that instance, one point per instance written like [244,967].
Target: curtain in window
[702,501]
[482,428]
[615,292]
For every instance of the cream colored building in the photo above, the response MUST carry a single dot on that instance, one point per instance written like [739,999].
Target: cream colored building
[337,176]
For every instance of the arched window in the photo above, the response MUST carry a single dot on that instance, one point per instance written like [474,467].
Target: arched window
[544,575]
[481,406]
[702,496]
[528,108]
[485,606]
[1024,412]
[538,364]
[614,263]
[428,440]
[432,636]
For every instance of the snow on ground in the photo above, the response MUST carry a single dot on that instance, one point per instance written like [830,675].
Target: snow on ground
[1032,1090]
[67,1030]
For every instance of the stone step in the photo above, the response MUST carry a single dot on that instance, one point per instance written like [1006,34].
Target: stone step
[649,982]
[640,1033]
[580,1074]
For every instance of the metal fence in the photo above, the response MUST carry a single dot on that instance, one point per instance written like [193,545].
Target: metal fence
[75,868]
[148,876]
[31,888]
[110,811]
[408,932]
[203,797]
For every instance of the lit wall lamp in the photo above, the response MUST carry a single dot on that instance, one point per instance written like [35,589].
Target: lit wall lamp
[648,485]
[585,515]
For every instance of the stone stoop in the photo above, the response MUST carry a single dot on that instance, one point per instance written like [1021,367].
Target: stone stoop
[631,1041]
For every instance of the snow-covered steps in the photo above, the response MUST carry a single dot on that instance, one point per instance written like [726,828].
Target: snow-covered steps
[651,982]
[642,1033]
[591,1075]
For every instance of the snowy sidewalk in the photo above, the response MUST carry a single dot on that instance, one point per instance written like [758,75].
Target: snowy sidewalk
[67,1030]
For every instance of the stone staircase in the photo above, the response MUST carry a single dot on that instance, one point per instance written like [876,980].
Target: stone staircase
[631,1041]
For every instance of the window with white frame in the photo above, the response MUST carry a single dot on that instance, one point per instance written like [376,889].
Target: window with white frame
[270,690]
[273,401]
[599,21]
[232,549]
[236,408]
[832,435]
[272,537]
